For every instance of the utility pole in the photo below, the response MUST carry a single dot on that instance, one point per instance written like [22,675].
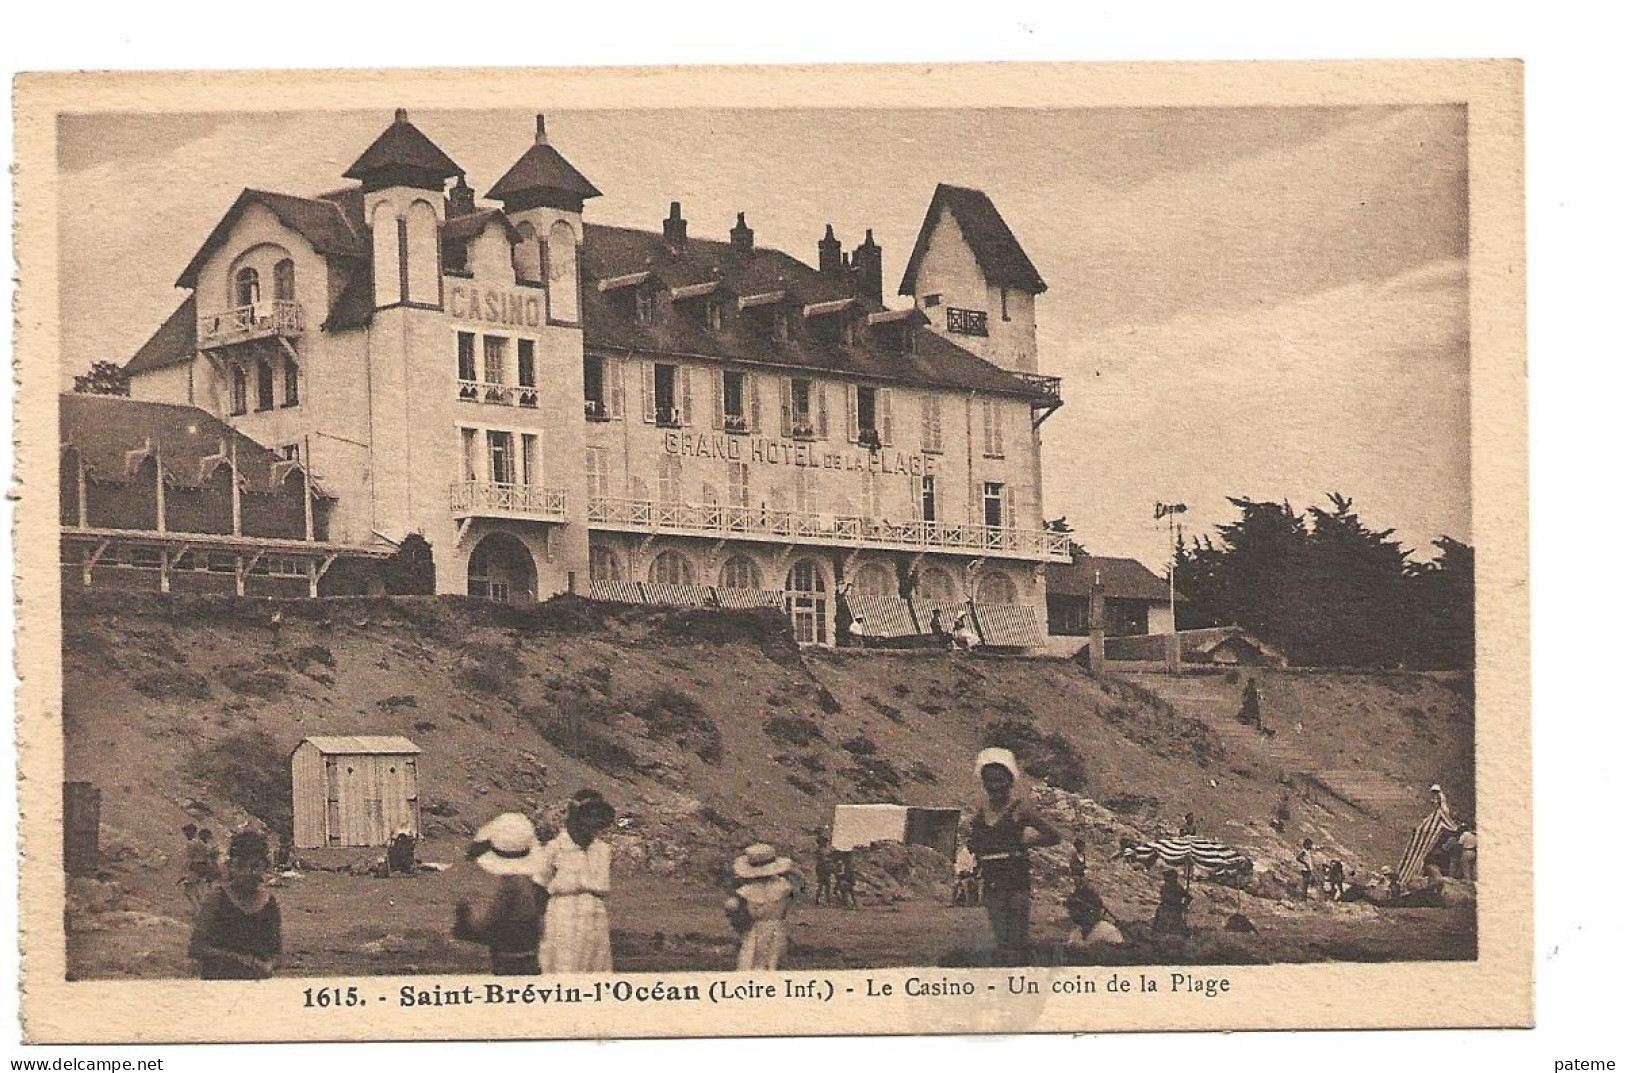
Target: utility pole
[1168,510]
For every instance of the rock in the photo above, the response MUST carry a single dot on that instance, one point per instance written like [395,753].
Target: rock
[1238,922]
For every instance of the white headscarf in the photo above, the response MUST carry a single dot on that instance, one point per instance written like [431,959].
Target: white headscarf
[1001,757]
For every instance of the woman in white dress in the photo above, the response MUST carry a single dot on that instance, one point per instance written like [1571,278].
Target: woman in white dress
[574,870]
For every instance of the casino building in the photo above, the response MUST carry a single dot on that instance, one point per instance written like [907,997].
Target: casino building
[558,405]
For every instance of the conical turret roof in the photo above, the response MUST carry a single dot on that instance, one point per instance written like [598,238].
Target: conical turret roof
[542,177]
[403,156]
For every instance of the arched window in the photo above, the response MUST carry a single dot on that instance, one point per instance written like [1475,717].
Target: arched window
[283,280]
[995,587]
[561,272]
[671,568]
[603,564]
[935,586]
[874,579]
[246,287]
[740,572]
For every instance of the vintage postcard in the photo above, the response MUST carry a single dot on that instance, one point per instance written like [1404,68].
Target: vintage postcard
[751,551]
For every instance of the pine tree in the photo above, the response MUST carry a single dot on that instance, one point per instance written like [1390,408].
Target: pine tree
[104,378]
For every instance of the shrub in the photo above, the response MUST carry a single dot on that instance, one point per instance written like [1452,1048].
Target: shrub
[172,682]
[792,730]
[1050,757]
[874,778]
[672,715]
[253,681]
[717,819]
[890,711]
[827,703]
[488,669]
[249,770]
[576,733]
[862,745]
[399,700]
[920,771]
[806,786]
[310,655]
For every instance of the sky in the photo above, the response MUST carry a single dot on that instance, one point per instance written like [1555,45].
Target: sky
[1267,303]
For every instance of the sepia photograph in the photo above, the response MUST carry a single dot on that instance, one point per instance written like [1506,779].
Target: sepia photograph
[671,551]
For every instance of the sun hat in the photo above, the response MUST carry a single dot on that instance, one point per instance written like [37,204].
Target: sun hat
[761,861]
[508,846]
[1435,789]
[999,758]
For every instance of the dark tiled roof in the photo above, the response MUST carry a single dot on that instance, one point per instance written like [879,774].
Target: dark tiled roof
[353,307]
[542,168]
[1000,256]
[322,221]
[403,147]
[1123,579]
[465,227]
[174,343]
[105,429]
[608,252]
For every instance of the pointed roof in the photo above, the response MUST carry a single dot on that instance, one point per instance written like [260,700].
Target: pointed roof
[321,221]
[174,343]
[542,177]
[1002,260]
[403,156]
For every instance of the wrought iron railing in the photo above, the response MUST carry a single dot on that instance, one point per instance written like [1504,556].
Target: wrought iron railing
[262,320]
[494,498]
[766,523]
[967,321]
[1049,385]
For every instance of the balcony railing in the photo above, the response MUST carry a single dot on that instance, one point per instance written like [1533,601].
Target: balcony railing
[529,397]
[493,499]
[262,320]
[495,394]
[1049,385]
[967,321]
[762,523]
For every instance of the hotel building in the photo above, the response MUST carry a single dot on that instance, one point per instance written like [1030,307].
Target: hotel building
[557,405]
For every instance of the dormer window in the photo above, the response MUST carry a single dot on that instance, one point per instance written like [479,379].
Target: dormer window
[781,326]
[643,305]
[283,280]
[246,287]
[713,315]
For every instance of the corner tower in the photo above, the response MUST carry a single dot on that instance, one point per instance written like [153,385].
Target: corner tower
[973,281]
[403,176]
[543,194]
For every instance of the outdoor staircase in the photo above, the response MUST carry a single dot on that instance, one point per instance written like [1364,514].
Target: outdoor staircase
[1215,702]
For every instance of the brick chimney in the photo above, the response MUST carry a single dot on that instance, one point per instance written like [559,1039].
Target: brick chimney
[743,237]
[675,227]
[460,200]
[829,252]
[866,266]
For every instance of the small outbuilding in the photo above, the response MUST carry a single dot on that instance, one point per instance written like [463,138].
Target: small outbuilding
[354,790]
[861,825]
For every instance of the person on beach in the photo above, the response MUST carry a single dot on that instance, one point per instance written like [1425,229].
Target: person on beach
[1002,831]
[1306,866]
[511,926]
[1172,901]
[1188,827]
[574,870]
[760,906]
[238,931]
[823,870]
[200,868]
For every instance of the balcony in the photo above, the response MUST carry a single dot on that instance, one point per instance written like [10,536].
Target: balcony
[668,417]
[787,526]
[491,393]
[489,499]
[736,423]
[967,321]
[596,410]
[262,320]
[1048,397]
[529,397]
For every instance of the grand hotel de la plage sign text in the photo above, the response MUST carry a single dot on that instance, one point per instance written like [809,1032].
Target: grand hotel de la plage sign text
[776,452]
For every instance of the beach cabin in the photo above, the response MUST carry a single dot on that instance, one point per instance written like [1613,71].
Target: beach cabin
[353,791]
